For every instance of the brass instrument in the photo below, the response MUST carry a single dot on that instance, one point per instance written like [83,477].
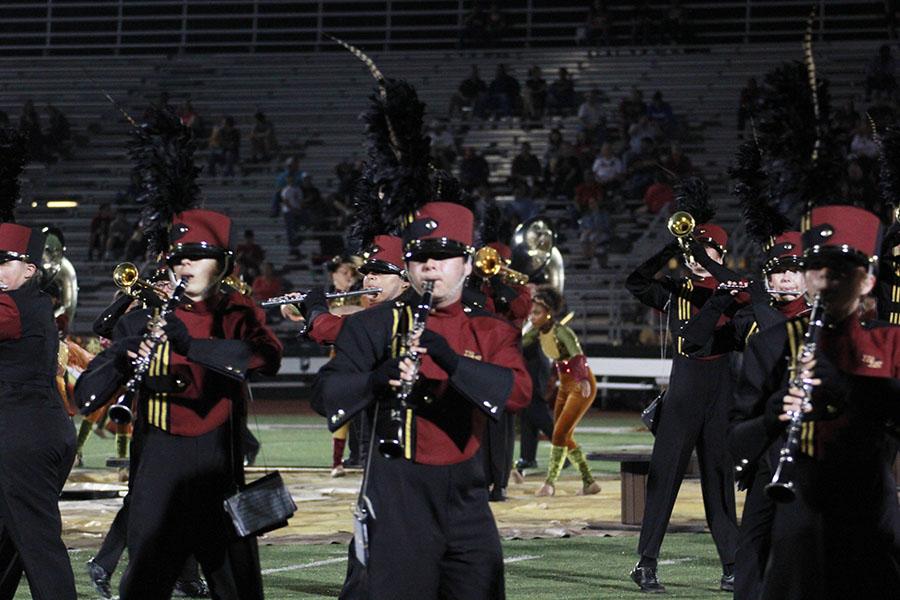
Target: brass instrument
[535,253]
[58,273]
[238,284]
[120,412]
[781,488]
[681,224]
[298,297]
[488,263]
[127,278]
[393,444]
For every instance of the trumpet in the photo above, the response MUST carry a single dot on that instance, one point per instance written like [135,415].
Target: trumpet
[781,488]
[681,224]
[298,297]
[488,263]
[127,278]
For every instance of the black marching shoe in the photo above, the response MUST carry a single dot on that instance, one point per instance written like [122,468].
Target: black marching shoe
[190,588]
[100,579]
[523,464]
[726,584]
[646,579]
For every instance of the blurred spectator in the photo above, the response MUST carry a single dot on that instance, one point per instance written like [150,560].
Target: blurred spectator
[592,117]
[30,127]
[642,27]
[268,285]
[347,173]
[750,98]
[554,146]
[631,108]
[607,168]
[598,25]
[263,145]
[661,113]
[292,210]
[583,149]
[594,232]
[535,97]
[443,146]
[526,168]
[291,176]
[640,169]
[224,147]
[565,176]
[99,231]
[120,230]
[675,25]
[881,74]
[190,119]
[59,133]
[474,171]
[863,145]
[523,206]
[471,94]
[561,97]
[136,246]
[677,164]
[589,189]
[321,214]
[495,27]
[248,255]
[657,196]
[503,94]
[643,128]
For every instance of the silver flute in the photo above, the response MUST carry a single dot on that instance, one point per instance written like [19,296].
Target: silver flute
[298,297]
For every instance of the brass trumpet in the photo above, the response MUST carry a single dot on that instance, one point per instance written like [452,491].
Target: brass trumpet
[488,263]
[127,278]
[298,297]
[681,224]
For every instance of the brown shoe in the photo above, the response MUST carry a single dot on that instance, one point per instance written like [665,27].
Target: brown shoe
[590,489]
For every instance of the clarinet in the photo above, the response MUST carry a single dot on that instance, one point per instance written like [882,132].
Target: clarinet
[120,412]
[393,444]
[781,488]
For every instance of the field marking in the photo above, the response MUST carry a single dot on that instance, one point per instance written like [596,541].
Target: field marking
[317,563]
[515,559]
[675,561]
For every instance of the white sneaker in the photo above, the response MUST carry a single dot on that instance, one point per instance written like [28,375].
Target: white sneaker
[338,471]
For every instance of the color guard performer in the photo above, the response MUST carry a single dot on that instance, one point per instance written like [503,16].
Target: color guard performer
[471,371]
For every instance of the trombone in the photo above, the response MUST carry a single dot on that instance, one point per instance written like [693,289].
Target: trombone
[681,224]
[298,297]
[488,263]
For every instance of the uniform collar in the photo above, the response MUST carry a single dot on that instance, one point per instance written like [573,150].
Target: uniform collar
[452,310]
[202,307]
[795,307]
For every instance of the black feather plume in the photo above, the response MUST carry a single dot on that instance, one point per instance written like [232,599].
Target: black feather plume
[692,195]
[491,220]
[762,219]
[365,222]
[163,153]
[889,169]
[13,156]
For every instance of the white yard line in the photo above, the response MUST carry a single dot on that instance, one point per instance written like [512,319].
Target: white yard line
[317,563]
[675,561]
[515,559]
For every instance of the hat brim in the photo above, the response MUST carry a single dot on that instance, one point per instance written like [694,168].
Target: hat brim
[817,257]
[439,248]
[783,263]
[6,256]
[195,251]
[381,267]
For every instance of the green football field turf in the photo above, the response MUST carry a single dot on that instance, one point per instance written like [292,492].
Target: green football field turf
[581,568]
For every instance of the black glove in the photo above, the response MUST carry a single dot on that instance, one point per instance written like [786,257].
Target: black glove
[384,373]
[315,302]
[178,335]
[829,397]
[502,293]
[774,409]
[440,351]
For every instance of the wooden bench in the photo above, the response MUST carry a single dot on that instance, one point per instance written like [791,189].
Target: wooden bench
[634,467]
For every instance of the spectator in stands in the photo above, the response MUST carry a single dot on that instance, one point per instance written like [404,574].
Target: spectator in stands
[495,26]
[676,164]
[191,120]
[660,112]
[120,230]
[322,214]
[526,168]
[443,146]
[523,206]
[292,209]
[470,95]
[592,117]
[249,256]
[347,173]
[598,25]
[534,99]
[503,94]
[608,168]
[595,232]
[561,97]
[657,196]
[640,169]
[268,285]
[583,149]
[99,231]
[474,171]
[565,174]
[749,102]
[554,146]
[589,189]
[631,108]
[58,140]
[863,145]
[30,127]
[643,128]
[291,176]
[136,246]
[881,74]
[224,147]
[642,24]
[263,145]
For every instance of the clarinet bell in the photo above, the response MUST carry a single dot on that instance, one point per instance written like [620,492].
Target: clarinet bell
[120,414]
[391,446]
[781,492]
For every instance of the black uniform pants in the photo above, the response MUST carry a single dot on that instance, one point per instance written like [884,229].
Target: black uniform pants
[37,449]
[433,535]
[754,536]
[837,538]
[497,446]
[535,419]
[693,415]
[176,510]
